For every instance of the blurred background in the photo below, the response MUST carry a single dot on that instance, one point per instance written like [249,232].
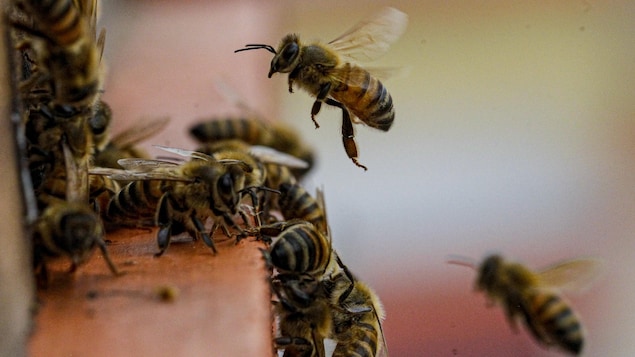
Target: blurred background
[515,133]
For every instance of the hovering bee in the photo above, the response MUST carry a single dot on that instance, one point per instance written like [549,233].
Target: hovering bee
[325,72]
[533,296]
[356,314]
[178,197]
[68,50]
[304,315]
[68,227]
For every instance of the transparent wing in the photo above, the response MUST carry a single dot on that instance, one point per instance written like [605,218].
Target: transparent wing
[139,132]
[141,169]
[146,165]
[372,37]
[269,155]
[573,275]
[186,153]
[76,177]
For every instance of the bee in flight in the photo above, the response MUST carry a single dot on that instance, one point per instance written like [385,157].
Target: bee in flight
[533,296]
[327,72]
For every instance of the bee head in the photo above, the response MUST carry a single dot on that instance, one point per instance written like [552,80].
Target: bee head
[79,234]
[489,271]
[287,57]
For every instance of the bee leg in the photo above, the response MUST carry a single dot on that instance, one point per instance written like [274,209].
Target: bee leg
[317,105]
[104,252]
[201,230]
[164,221]
[350,277]
[348,133]
[297,346]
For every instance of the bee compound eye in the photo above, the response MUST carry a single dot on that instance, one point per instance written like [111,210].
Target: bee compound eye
[290,51]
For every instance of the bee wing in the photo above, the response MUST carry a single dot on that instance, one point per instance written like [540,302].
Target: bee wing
[141,169]
[140,131]
[372,37]
[76,177]
[270,155]
[185,153]
[573,275]
[145,165]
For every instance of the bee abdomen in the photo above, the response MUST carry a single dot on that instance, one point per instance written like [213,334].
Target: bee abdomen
[250,131]
[560,324]
[364,343]
[370,101]
[62,20]
[133,200]
[296,202]
[301,249]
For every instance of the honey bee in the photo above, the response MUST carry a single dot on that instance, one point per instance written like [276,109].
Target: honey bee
[254,130]
[266,168]
[533,296]
[326,72]
[299,248]
[68,227]
[177,197]
[356,313]
[296,203]
[304,316]
[68,50]
[99,125]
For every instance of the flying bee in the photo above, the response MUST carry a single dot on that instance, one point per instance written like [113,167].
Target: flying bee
[68,49]
[177,197]
[303,313]
[325,71]
[533,296]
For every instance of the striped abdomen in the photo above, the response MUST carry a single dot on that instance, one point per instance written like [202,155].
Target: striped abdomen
[60,20]
[552,321]
[366,97]
[301,249]
[362,341]
[251,131]
[138,199]
[295,202]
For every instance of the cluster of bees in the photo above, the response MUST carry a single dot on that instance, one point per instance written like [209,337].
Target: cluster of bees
[244,178]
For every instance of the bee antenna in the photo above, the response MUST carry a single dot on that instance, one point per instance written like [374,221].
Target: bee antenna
[461,260]
[257,46]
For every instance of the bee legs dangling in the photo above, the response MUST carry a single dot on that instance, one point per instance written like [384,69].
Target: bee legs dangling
[348,133]
[317,105]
